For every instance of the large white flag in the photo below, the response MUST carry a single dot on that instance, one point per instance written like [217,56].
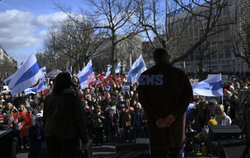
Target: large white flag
[211,87]
[44,71]
[137,68]
[117,69]
[108,72]
[26,76]
[7,80]
[71,72]
[86,76]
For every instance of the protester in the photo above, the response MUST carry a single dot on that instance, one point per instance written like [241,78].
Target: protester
[36,137]
[64,120]
[98,120]
[126,115]
[221,117]
[89,114]
[111,122]
[12,123]
[9,108]
[139,121]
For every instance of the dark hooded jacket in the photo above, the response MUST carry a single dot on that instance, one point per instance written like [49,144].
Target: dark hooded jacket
[64,116]
[163,90]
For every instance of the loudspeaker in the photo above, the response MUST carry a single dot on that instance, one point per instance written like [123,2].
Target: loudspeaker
[234,149]
[224,132]
[140,150]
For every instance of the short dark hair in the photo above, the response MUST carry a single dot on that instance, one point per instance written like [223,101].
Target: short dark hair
[62,81]
[159,54]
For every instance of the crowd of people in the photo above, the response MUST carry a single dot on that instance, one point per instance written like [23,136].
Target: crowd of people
[231,109]
[115,115]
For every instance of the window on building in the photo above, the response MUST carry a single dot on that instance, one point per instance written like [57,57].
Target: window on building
[226,68]
[196,56]
[214,56]
[191,57]
[221,54]
[214,68]
[228,52]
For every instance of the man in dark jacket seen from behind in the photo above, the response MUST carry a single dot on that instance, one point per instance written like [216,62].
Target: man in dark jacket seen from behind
[165,93]
[64,120]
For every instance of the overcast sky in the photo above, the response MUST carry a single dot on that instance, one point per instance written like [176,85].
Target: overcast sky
[24,24]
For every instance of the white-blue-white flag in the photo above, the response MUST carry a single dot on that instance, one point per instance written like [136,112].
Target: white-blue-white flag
[43,70]
[7,80]
[71,72]
[108,71]
[117,69]
[211,87]
[42,85]
[137,68]
[26,76]
[86,76]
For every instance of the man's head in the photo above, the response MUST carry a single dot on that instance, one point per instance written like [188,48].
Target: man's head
[161,54]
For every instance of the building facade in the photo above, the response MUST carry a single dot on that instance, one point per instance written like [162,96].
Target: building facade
[7,64]
[131,46]
[218,51]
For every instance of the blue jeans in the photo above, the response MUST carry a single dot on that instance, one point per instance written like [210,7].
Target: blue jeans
[171,153]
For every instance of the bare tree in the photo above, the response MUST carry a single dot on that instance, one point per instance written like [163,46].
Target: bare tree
[147,52]
[78,42]
[172,31]
[203,52]
[241,44]
[72,44]
[117,17]
[131,46]
[50,55]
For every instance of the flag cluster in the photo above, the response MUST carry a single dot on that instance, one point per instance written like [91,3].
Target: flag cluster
[31,79]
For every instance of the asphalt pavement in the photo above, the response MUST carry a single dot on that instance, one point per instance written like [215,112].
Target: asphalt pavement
[103,151]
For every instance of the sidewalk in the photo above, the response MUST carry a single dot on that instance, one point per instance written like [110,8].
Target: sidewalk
[104,151]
